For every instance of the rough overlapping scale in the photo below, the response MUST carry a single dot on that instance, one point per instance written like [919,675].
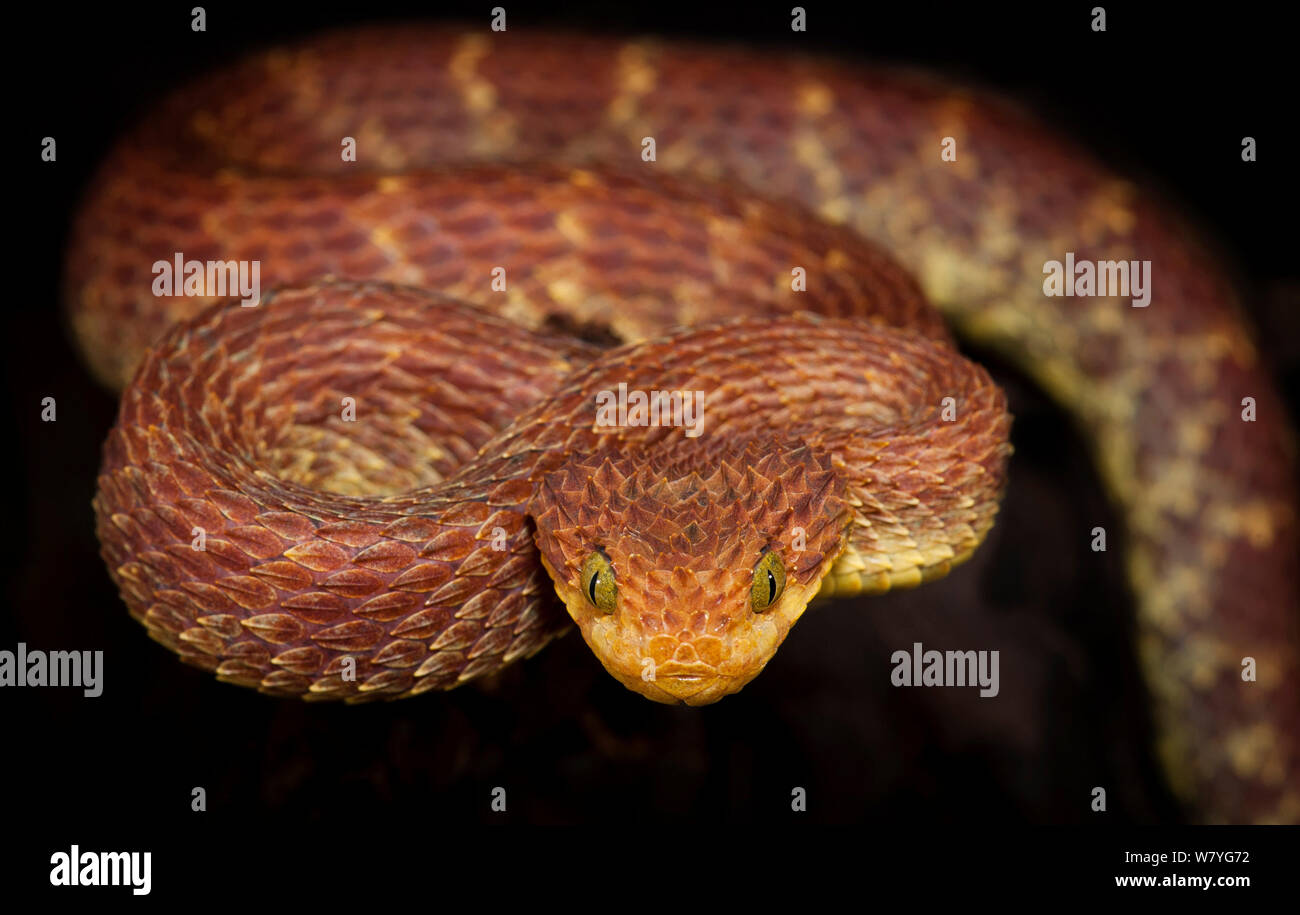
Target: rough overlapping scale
[683,519]
[265,576]
[271,579]
[1210,501]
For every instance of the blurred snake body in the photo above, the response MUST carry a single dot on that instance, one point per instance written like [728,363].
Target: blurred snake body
[443,529]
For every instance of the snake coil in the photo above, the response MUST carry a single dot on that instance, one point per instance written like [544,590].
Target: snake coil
[426,543]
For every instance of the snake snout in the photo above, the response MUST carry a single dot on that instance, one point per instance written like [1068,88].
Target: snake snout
[676,637]
[691,683]
[686,668]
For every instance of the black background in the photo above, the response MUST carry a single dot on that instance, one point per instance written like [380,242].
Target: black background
[1165,98]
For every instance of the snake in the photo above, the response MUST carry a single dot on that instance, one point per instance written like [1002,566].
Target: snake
[531,221]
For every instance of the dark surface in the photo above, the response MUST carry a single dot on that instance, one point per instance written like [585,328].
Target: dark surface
[1169,98]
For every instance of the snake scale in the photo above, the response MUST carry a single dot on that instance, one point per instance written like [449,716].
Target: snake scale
[426,542]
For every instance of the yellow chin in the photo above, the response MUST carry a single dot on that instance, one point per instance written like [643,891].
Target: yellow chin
[683,690]
[626,657]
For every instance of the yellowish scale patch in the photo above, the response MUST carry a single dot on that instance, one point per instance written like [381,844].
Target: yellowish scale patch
[580,177]
[567,292]
[996,235]
[1255,752]
[1107,316]
[1182,595]
[681,155]
[836,259]
[372,137]
[856,573]
[947,276]
[724,235]
[1108,212]
[815,99]
[497,130]
[1257,521]
[635,79]
[837,211]
[570,226]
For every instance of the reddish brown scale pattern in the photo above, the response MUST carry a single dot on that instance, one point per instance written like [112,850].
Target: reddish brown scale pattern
[1209,500]
[294,579]
[854,452]
[448,230]
[683,537]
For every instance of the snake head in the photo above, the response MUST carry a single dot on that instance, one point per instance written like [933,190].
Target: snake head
[685,564]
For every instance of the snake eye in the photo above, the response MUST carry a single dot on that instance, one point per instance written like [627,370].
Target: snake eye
[598,582]
[769,581]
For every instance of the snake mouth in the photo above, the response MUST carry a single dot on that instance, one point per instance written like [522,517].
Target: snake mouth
[676,670]
[686,684]
[684,681]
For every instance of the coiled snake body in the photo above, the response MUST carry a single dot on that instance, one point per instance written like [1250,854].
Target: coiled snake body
[844,448]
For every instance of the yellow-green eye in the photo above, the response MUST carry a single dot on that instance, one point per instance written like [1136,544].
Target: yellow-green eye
[598,582]
[769,581]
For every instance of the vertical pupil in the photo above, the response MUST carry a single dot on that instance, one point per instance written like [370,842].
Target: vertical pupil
[771,586]
[591,586]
